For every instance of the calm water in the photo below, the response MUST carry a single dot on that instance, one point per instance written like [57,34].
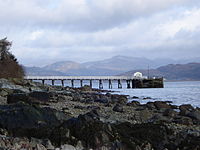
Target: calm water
[178,92]
[187,92]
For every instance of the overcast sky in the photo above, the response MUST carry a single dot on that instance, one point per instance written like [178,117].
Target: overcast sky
[45,31]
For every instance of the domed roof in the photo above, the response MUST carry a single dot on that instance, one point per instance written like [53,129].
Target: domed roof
[138,75]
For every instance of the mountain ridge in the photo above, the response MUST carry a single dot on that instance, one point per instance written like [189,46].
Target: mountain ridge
[189,71]
[111,66]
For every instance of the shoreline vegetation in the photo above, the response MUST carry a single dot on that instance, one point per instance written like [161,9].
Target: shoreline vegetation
[36,116]
[9,66]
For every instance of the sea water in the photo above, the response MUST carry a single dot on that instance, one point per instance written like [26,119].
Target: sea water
[187,92]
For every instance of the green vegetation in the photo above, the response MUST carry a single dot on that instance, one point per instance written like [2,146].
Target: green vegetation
[9,67]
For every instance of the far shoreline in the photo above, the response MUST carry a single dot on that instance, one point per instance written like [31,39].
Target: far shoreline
[181,80]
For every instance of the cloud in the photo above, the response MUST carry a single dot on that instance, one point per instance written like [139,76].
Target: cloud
[79,15]
[83,30]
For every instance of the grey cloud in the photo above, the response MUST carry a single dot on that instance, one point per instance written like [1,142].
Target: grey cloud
[80,15]
[84,30]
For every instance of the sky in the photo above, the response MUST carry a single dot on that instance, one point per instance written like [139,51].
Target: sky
[46,31]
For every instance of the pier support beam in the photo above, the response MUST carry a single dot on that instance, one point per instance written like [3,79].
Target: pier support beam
[43,82]
[133,84]
[119,84]
[62,82]
[91,83]
[72,83]
[128,84]
[81,83]
[110,84]
[52,82]
[100,84]
[142,83]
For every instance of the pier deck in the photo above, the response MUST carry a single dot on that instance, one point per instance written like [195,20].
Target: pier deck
[132,82]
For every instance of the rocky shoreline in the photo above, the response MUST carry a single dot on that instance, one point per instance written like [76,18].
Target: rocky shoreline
[40,117]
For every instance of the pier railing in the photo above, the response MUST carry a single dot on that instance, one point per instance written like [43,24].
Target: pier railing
[82,77]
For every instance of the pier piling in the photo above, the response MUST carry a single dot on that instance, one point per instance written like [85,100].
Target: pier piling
[52,82]
[81,83]
[119,84]
[91,83]
[128,84]
[62,82]
[72,82]
[43,82]
[133,84]
[110,84]
[100,84]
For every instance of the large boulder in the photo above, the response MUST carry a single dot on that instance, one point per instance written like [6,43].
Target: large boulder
[162,105]
[16,97]
[118,108]
[133,103]
[185,109]
[195,115]
[22,119]
[40,97]
[122,99]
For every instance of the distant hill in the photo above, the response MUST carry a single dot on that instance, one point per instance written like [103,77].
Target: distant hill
[190,71]
[112,66]
[63,66]
[36,71]
[121,63]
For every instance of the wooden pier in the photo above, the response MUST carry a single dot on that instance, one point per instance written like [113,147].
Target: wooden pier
[131,82]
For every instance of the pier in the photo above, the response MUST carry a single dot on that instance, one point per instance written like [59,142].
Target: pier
[131,81]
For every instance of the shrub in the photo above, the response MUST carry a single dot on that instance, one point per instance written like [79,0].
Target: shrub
[9,67]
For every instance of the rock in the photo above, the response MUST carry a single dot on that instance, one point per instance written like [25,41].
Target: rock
[68,98]
[150,105]
[67,147]
[185,109]
[31,121]
[37,97]
[133,103]
[5,92]
[47,143]
[41,144]
[41,96]
[85,88]
[194,115]
[170,113]
[183,120]
[135,97]
[93,107]
[146,146]
[159,118]
[79,146]
[91,132]
[19,84]
[90,116]
[122,99]
[3,100]
[161,105]
[118,108]
[79,107]
[105,100]
[145,98]
[14,98]
[168,102]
